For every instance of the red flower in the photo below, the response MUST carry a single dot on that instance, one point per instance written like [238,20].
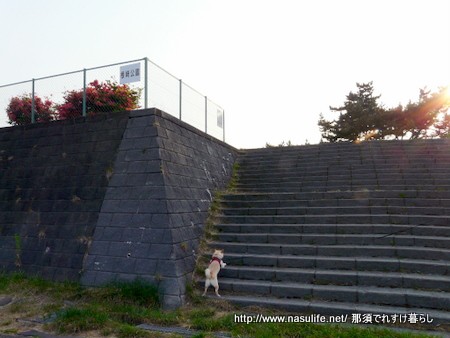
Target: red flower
[19,110]
[100,97]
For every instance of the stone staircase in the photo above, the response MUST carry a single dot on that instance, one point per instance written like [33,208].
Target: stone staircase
[340,229]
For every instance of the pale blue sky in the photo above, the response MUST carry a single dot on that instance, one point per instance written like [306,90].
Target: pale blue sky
[272,65]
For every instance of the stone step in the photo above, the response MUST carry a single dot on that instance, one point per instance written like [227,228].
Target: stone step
[340,170]
[369,169]
[353,251]
[355,294]
[305,188]
[352,151]
[351,227]
[393,164]
[386,163]
[335,210]
[315,307]
[339,277]
[344,161]
[349,177]
[337,239]
[380,229]
[344,194]
[385,264]
[346,177]
[318,203]
[397,147]
[323,151]
[338,219]
[435,145]
[332,184]
[343,156]
[311,174]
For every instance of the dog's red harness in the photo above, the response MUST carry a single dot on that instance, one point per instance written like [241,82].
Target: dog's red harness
[216,259]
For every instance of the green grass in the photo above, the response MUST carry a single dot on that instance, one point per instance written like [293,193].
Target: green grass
[73,320]
[116,310]
[129,331]
[234,178]
[137,291]
[313,331]
[205,319]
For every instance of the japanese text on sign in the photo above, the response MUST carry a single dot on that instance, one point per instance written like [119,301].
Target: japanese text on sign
[219,118]
[130,73]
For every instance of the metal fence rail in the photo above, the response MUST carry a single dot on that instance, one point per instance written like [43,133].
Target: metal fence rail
[157,87]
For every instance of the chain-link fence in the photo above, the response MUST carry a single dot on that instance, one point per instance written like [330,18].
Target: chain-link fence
[121,86]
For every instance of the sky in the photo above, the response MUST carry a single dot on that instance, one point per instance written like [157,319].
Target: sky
[273,65]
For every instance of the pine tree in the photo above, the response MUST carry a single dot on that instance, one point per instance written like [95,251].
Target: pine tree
[358,117]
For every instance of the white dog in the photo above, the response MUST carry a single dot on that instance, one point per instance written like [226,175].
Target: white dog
[213,270]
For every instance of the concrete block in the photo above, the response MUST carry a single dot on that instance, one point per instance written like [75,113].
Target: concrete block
[113,234]
[161,251]
[121,249]
[88,278]
[152,206]
[103,278]
[153,235]
[133,235]
[142,154]
[159,220]
[169,268]
[171,302]
[141,220]
[120,220]
[145,266]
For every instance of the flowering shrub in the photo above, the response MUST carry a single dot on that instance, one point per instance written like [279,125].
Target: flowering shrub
[100,97]
[19,110]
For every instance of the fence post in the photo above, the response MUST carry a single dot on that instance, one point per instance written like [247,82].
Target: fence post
[33,104]
[146,83]
[84,92]
[206,115]
[181,90]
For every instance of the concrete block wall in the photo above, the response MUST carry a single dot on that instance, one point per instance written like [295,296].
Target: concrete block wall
[116,196]
[53,178]
[156,204]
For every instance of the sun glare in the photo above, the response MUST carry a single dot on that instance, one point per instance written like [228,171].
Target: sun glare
[447,91]
[446,95]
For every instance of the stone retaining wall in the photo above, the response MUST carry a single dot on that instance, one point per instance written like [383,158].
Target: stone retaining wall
[117,196]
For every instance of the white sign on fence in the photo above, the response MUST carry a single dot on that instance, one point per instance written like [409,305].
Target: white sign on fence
[219,118]
[130,73]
